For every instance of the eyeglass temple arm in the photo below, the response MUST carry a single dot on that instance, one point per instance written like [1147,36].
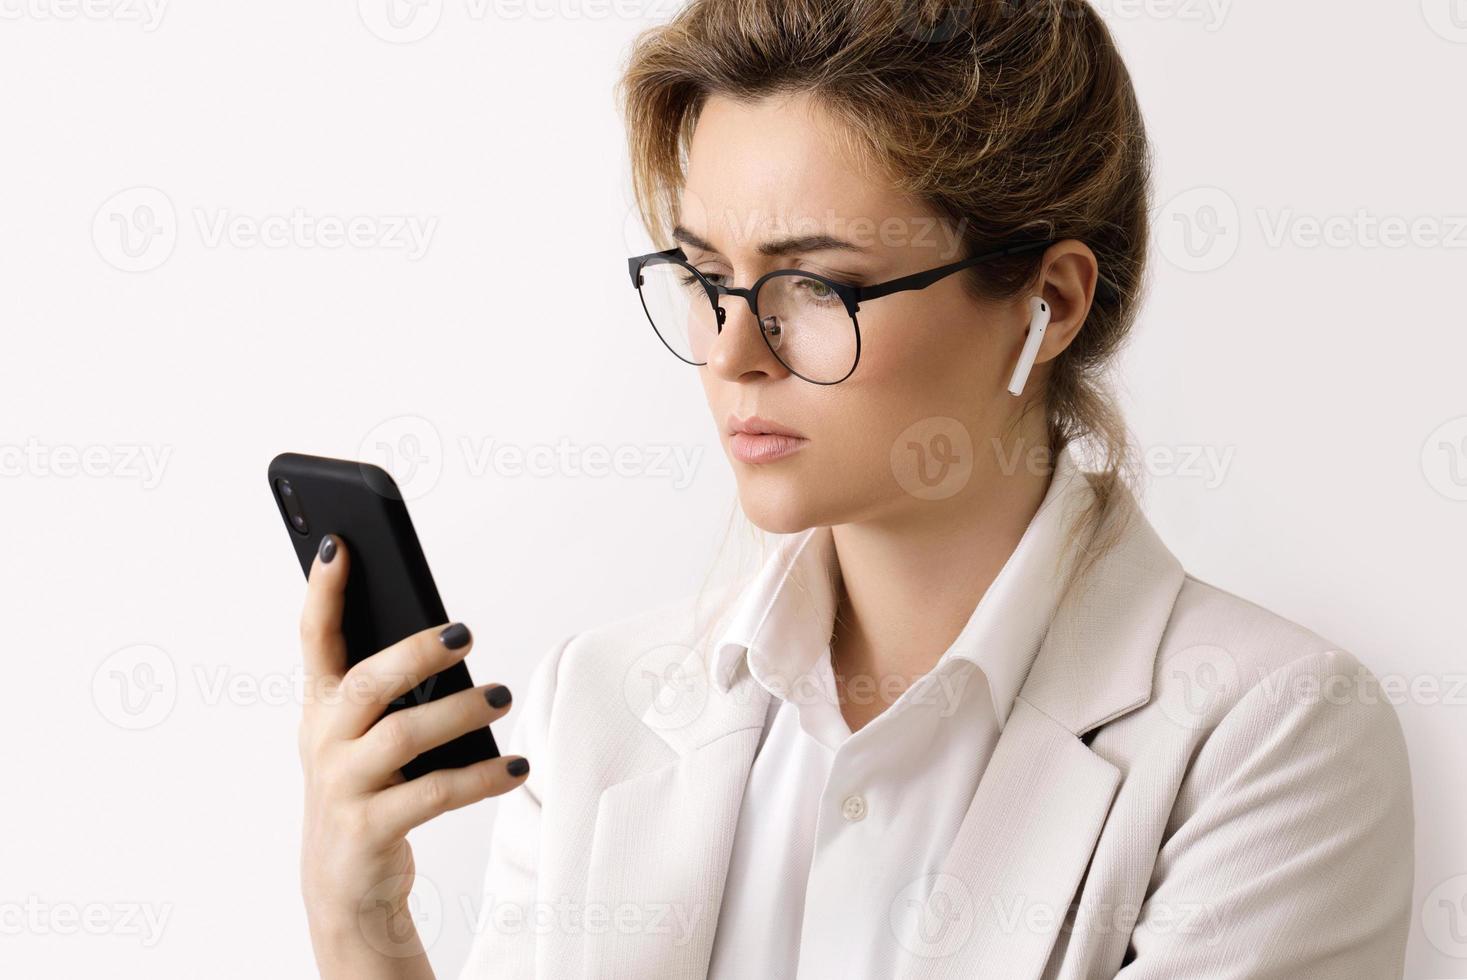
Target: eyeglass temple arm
[635,263]
[921,280]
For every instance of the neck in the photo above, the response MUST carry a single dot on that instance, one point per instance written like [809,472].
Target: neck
[910,581]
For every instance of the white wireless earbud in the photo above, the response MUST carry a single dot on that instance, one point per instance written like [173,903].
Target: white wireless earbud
[1038,321]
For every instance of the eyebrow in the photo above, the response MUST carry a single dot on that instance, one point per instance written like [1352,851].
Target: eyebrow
[779,246]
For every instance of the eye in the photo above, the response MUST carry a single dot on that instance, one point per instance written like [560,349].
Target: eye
[816,291]
[713,277]
[845,279]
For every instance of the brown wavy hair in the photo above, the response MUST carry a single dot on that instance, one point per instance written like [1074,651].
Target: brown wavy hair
[1011,119]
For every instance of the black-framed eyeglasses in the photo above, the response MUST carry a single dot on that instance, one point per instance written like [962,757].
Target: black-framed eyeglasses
[809,321]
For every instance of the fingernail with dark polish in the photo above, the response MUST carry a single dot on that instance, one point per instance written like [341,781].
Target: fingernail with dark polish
[497,696]
[455,636]
[517,767]
[328,549]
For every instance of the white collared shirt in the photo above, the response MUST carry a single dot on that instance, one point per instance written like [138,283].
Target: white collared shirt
[838,829]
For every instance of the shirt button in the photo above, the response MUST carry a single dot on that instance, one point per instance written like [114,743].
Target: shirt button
[853,807]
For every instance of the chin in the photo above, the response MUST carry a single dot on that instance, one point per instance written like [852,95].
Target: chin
[777,507]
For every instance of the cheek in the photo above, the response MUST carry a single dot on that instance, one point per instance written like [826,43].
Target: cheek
[930,359]
[915,375]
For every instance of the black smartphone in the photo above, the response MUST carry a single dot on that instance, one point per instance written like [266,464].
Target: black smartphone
[389,591]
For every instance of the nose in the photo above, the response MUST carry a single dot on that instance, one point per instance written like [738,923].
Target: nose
[740,348]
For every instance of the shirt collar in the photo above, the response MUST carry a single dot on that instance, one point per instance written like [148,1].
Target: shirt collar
[785,613]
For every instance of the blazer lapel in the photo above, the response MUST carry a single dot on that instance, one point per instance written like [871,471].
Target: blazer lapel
[663,839]
[1005,887]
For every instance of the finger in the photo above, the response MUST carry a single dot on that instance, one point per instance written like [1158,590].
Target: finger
[371,685]
[403,735]
[397,810]
[322,645]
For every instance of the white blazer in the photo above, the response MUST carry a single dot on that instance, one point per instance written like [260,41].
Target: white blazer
[1188,787]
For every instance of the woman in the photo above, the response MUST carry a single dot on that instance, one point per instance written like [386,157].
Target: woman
[970,718]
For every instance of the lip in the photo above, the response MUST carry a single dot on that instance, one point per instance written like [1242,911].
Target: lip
[754,425]
[760,440]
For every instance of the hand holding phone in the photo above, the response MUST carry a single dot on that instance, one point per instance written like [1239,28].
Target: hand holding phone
[368,717]
[391,593]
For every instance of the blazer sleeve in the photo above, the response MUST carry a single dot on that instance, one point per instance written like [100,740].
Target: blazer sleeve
[1289,852]
[504,940]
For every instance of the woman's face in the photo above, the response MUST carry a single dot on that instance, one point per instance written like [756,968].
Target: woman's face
[914,423]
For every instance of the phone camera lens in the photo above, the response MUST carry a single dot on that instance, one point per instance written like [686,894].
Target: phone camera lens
[290,507]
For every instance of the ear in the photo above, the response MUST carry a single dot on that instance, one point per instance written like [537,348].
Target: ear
[1066,281]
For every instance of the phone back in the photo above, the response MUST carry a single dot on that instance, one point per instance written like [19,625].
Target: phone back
[390,592]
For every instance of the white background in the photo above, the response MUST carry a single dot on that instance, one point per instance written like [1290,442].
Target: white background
[1326,376]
